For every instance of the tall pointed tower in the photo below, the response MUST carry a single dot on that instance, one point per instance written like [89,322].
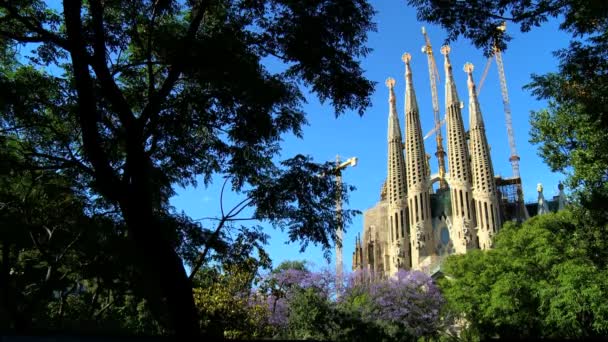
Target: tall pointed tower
[417,174]
[398,255]
[485,197]
[459,180]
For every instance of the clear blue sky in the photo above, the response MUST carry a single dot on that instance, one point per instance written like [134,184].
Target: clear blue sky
[365,137]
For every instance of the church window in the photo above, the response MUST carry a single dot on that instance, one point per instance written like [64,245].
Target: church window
[468,208]
[402,225]
[395,226]
[492,212]
[416,208]
[461,203]
[485,208]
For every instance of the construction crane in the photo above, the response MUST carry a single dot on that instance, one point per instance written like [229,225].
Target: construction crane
[434,77]
[339,167]
[522,212]
[514,158]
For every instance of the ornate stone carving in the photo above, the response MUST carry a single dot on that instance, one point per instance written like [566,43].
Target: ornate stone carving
[419,235]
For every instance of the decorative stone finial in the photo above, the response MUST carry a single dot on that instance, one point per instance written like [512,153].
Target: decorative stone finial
[406,58]
[468,68]
[539,187]
[560,186]
[445,49]
[390,82]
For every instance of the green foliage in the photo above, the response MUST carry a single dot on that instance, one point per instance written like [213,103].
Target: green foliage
[309,316]
[538,281]
[477,20]
[124,100]
[61,257]
[223,301]
[312,316]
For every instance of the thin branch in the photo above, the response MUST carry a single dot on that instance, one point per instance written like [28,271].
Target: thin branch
[104,308]
[151,88]
[231,213]
[65,162]
[119,68]
[201,258]
[222,196]
[65,250]
[21,38]
[225,218]
[36,26]
[245,203]
[152,108]
[109,87]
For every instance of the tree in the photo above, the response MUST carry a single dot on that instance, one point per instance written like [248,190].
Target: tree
[302,305]
[538,281]
[225,301]
[150,94]
[477,20]
[61,263]
[405,306]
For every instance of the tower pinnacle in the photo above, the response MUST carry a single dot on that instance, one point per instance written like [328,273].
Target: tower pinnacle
[485,197]
[416,168]
[396,189]
[451,95]
[459,167]
[475,117]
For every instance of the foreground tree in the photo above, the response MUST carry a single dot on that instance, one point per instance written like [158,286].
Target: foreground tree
[538,281]
[61,258]
[406,306]
[129,98]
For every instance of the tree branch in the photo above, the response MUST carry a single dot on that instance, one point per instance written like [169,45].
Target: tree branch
[151,81]
[152,108]
[73,162]
[108,86]
[35,27]
[225,218]
[87,108]
[22,39]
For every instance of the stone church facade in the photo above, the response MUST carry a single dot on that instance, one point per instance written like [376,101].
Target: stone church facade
[414,226]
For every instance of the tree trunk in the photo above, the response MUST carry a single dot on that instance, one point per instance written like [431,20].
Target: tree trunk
[161,265]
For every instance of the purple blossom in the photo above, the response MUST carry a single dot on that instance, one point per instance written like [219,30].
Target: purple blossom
[410,299]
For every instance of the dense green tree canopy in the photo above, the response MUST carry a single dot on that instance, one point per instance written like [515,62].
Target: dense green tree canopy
[127,99]
[538,281]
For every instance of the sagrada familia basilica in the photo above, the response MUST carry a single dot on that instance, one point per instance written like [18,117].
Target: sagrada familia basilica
[414,226]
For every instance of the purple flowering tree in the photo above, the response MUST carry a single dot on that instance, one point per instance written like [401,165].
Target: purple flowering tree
[409,300]
[279,288]
[406,305]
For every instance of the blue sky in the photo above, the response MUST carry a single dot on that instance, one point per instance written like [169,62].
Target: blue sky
[365,137]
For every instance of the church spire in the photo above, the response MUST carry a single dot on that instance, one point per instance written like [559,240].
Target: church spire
[543,208]
[451,95]
[394,131]
[485,197]
[459,178]
[416,169]
[397,190]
